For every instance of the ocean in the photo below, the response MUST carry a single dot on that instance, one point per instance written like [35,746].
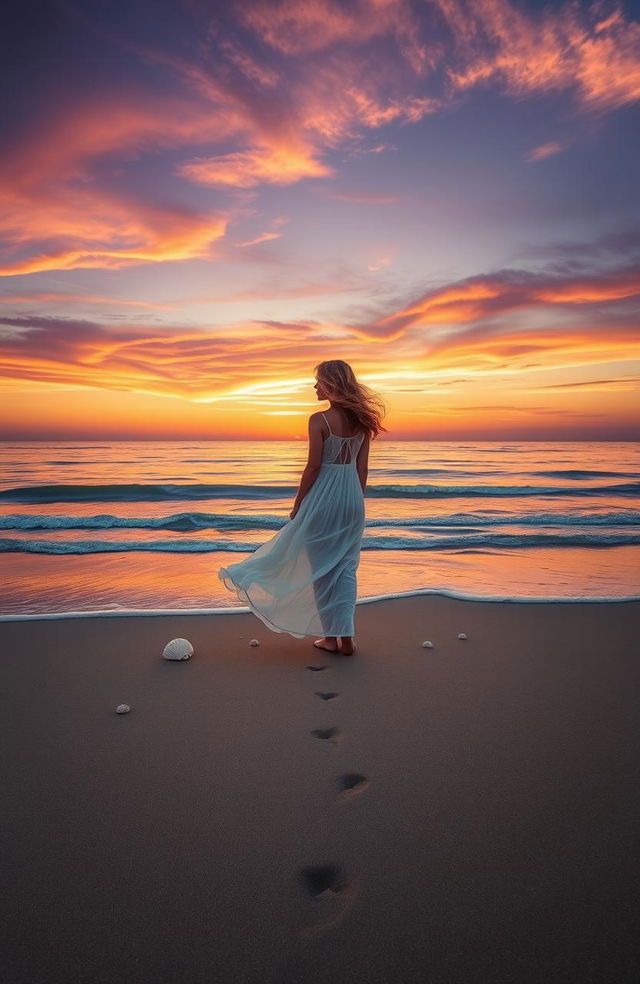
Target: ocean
[119,526]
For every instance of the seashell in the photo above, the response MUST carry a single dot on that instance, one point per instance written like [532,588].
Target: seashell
[178,649]
[427,645]
[254,642]
[462,635]
[122,709]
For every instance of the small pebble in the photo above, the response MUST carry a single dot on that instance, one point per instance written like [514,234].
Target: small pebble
[427,645]
[122,709]
[254,642]
[462,635]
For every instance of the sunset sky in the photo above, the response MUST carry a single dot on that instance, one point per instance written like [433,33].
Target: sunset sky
[198,206]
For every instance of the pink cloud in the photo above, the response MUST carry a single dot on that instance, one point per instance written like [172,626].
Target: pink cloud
[490,295]
[296,28]
[168,361]
[160,238]
[55,211]
[248,65]
[64,298]
[245,169]
[347,93]
[264,237]
[286,138]
[557,48]
[593,51]
[544,150]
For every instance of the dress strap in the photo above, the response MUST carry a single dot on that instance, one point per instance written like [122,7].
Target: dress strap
[326,422]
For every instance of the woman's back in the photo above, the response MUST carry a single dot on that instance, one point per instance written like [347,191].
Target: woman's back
[340,448]
[339,424]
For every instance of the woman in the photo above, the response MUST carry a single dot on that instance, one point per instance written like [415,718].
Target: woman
[303,580]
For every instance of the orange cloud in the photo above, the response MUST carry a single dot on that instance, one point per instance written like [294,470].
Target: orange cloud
[165,362]
[562,48]
[544,150]
[189,239]
[609,287]
[376,94]
[448,305]
[245,169]
[287,143]
[53,208]
[55,297]
[557,48]
[553,348]
[626,383]
[102,125]
[491,295]
[317,104]
[378,264]
[371,112]
[264,237]
[248,65]
[299,28]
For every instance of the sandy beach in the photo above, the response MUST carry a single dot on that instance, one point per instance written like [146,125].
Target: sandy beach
[458,814]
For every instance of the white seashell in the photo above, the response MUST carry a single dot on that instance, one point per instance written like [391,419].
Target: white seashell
[427,645]
[122,709]
[462,635]
[178,649]
[254,642]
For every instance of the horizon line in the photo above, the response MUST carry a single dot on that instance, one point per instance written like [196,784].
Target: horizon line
[300,440]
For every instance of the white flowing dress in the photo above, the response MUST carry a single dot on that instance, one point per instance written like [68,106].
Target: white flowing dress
[303,580]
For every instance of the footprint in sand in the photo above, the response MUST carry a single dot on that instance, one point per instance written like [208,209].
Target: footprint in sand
[326,734]
[352,782]
[331,892]
[326,695]
[323,878]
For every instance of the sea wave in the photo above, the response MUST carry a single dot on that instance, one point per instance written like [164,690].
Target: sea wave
[188,522]
[167,492]
[583,474]
[475,542]
[116,611]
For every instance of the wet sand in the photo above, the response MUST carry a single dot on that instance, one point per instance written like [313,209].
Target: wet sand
[466,813]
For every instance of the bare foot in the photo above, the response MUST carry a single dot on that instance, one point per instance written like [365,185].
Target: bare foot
[348,645]
[331,645]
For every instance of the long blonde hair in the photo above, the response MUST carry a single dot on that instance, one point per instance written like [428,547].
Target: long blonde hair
[363,408]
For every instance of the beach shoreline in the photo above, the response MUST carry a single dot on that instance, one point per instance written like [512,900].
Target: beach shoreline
[246,610]
[486,836]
